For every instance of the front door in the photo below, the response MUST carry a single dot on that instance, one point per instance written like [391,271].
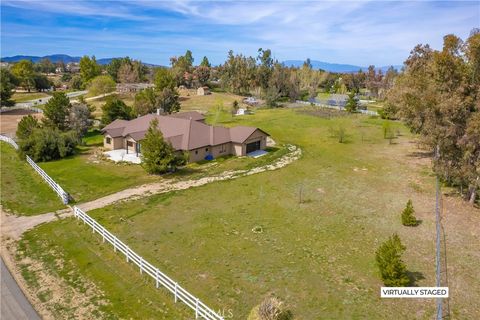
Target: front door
[254,146]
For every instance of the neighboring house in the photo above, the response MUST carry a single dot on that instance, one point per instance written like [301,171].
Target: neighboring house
[203,91]
[73,67]
[186,131]
[133,87]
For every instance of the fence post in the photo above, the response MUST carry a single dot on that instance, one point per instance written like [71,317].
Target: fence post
[114,244]
[176,284]
[196,309]
[156,278]
[103,235]
[141,265]
[128,249]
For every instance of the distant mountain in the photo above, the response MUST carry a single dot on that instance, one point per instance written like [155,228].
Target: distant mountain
[335,67]
[57,58]
[53,58]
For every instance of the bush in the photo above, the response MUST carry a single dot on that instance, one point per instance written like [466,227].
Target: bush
[47,143]
[389,261]
[408,215]
[271,308]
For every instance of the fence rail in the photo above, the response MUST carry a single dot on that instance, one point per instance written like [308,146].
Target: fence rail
[369,112]
[55,186]
[9,140]
[179,293]
[21,107]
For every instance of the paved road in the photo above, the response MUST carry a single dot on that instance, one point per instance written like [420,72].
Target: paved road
[36,102]
[14,304]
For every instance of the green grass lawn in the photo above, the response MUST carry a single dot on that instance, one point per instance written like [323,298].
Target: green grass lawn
[23,191]
[85,177]
[321,220]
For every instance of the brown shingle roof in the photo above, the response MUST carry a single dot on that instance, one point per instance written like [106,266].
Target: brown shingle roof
[194,115]
[183,132]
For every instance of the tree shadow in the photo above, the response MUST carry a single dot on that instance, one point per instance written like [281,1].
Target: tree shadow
[420,154]
[414,277]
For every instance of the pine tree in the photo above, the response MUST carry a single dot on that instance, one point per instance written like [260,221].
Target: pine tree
[389,261]
[158,156]
[352,103]
[408,215]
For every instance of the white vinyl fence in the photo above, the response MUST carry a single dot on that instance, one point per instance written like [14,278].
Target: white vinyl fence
[201,310]
[9,140]
[369,112]
[55,186]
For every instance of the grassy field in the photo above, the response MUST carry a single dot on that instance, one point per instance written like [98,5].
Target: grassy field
[25,96]
[86,177]
[23,191]
[206,103]
[306,232]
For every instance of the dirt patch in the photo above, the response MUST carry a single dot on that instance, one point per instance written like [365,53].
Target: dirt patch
[9,120]
[52,296]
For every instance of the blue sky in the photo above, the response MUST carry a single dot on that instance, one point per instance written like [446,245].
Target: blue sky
[361,32]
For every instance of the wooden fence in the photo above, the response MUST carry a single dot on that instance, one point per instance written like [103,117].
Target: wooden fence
[55,186]
[369,112]
[179,293]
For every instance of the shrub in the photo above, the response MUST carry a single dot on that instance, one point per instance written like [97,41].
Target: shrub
[26,126]
[339,133]
[389,261]
[271,308]
[408,215]
[47,143]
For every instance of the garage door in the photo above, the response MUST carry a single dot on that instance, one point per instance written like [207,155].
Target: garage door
[254,146]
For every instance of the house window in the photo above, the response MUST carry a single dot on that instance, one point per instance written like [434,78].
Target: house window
[129,144]
[223,148]
[108,140]
[196,151]
[206,149]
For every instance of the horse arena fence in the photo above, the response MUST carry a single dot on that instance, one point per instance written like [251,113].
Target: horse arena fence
[367,112]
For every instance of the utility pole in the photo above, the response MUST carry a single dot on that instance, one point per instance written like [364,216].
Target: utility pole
[437,218]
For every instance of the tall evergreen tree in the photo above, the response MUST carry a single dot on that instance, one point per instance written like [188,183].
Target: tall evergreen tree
[158,155]
[389,261]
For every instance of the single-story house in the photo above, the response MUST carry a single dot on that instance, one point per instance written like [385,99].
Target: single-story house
[187,132]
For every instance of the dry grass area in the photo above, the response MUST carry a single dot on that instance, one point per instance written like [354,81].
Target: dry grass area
[205,103]
[25,96]
[316,246]
[9,120]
